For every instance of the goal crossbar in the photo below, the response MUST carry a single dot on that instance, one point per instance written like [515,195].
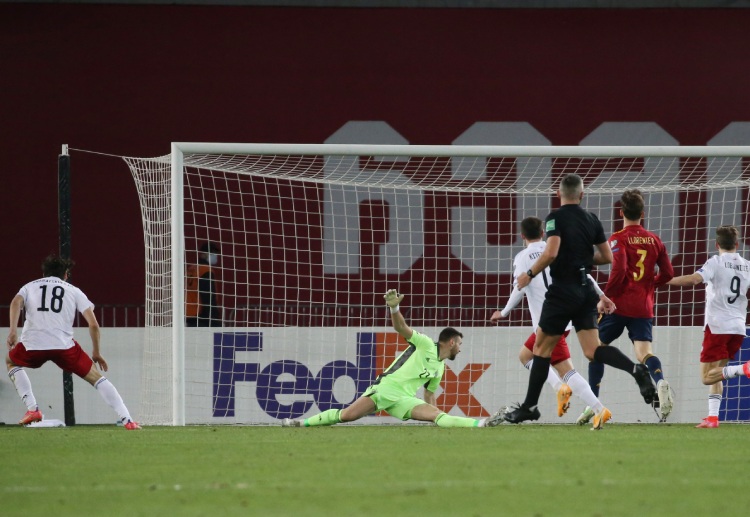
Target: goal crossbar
[563,151]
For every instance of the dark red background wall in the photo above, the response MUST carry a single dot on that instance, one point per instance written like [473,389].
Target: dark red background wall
[129,80]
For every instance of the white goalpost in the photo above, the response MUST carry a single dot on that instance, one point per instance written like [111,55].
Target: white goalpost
[310,237]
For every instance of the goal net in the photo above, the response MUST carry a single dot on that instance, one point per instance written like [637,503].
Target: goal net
[310,237]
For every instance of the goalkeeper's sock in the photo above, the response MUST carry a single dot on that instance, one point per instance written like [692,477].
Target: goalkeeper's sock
[446,420]
[714,403]
[330,417]
[654,368]
[596,373]
[112,397]
[552,377]
[23,387]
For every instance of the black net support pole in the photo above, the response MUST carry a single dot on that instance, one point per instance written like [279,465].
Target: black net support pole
[63,210]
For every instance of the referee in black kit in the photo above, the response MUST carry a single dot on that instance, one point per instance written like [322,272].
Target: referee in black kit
[575,242]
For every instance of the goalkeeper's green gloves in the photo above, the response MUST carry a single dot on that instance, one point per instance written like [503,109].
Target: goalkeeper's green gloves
[392,299]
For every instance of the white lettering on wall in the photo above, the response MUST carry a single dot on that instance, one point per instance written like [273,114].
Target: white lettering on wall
[341,232]
[469,239]
[468,228]
[725,170]
[661,208]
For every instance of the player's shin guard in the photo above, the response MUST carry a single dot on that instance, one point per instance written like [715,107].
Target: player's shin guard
[445,420]
[596,374]
[23,387]
[112,397]
[654,368]
[582,390]
[330,417]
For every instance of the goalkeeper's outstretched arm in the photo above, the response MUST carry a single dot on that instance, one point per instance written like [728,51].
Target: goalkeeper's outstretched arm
[392,300]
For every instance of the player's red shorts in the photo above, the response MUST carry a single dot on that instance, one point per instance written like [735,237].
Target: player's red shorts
[72,359]
[719,346]
[559,354]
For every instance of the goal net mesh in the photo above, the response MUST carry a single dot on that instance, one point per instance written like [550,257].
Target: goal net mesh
[308,244]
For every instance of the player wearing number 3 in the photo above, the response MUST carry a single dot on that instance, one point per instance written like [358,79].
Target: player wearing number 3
[394,391]
[727,279]
[636,252]
[51,304]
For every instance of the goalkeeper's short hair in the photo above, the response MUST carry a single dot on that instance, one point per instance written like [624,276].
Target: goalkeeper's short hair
[448,333]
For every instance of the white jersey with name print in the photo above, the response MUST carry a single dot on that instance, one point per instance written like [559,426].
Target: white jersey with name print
[727,278]
[51,305]
[537,288]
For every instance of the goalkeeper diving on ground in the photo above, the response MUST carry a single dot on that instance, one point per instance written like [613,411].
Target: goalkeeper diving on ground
[394,391]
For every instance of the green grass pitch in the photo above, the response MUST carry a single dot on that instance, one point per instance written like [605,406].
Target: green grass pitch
[534,470]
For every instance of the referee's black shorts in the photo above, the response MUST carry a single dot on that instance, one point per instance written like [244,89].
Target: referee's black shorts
[566,302]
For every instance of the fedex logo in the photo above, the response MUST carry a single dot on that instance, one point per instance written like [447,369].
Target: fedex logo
[287,377]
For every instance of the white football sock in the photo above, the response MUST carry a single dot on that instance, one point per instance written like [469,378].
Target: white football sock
[552,377]
[714,403]
[23,387]
[111,396]
[730,372]
[582,390]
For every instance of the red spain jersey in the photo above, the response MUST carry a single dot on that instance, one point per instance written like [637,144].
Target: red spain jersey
[633,277]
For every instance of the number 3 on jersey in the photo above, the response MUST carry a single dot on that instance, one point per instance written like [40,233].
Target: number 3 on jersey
[641,268]
[56,299]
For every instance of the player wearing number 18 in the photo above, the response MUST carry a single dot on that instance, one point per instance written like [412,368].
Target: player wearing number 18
[51,304]
[727,279]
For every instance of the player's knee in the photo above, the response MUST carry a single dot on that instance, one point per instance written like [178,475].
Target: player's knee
[93,376]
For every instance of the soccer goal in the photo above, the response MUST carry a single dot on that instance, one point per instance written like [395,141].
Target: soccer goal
[310,237]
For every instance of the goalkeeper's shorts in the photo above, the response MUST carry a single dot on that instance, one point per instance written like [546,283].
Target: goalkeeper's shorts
[393,402]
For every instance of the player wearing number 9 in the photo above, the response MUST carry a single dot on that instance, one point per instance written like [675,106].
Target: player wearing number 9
[727,279]
[51,304]
[636,253]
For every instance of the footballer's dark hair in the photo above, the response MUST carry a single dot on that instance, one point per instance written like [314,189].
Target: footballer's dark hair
[447,334]
[54,265]
[531,228]
[727,237]
[632,204]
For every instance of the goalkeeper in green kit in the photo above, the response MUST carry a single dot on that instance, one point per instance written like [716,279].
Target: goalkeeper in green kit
[394,391]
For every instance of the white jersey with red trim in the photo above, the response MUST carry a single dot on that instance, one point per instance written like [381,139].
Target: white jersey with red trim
[51,306]
[727,278]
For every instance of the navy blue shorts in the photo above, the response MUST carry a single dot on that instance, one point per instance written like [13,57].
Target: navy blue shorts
[611,327]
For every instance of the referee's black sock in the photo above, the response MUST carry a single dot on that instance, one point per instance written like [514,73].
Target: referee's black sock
[537,378]
[614,357]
